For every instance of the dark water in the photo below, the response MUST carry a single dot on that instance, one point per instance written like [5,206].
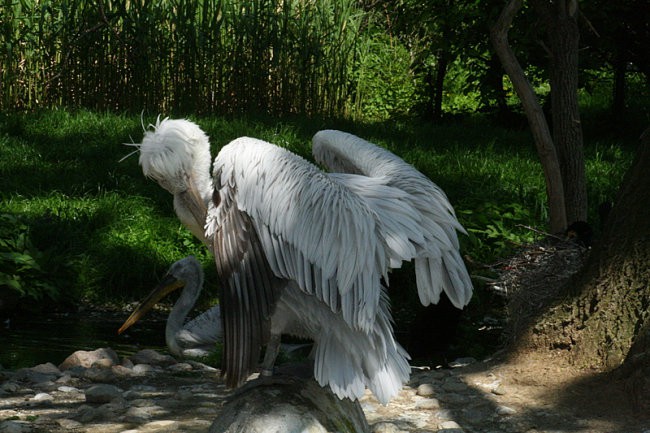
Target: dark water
[435,337]
[29,340]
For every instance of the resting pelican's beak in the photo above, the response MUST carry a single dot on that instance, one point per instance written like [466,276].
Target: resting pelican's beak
[166,286]
[194,201]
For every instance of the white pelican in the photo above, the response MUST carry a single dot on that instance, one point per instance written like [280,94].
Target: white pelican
[196,338]
[302,252]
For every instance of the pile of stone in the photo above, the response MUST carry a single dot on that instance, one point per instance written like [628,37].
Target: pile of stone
[97,392]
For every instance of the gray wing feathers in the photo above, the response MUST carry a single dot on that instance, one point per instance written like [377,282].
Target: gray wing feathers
[439,266]
[204,330]
[249,291]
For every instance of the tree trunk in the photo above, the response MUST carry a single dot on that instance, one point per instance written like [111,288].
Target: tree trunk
[606,323]
[537,121]
[618,91]
[441,70]
[560,21]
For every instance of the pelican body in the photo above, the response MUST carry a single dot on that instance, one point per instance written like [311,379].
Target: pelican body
[196,338]
[304,252]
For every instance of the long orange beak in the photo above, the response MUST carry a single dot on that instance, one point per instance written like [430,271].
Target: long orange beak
[166,286]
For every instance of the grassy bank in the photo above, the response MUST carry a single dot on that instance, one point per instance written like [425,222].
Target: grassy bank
[79,224]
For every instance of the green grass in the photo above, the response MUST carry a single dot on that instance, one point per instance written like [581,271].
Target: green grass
[96,229]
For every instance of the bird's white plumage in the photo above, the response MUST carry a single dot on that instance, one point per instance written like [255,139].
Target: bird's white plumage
[438,264]
[198,336]
[175,154]
[303,252]
[313,230]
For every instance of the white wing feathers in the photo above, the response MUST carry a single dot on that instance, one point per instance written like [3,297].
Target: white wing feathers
[401,224]
[438,264]
[312,229]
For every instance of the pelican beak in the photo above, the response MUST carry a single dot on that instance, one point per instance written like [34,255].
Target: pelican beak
[195,203]
[166,286]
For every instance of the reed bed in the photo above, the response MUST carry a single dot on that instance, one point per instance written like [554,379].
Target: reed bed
[267,56]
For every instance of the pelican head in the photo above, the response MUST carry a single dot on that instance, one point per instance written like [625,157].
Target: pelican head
[176,154]
[173,152]
[186,274]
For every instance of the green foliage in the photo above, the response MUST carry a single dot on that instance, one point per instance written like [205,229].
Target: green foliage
[385,87]
[495,229]
[461,93]
[21,263]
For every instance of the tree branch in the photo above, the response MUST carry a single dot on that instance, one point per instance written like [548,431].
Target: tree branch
[535,115]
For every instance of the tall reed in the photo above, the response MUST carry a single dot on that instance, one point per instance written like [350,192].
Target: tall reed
[223,56]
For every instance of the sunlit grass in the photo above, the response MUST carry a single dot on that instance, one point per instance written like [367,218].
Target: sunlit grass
[108,233]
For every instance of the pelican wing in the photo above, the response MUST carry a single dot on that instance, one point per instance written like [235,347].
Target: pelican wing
[312,230]
[439,266]
[249,291]
[204,330]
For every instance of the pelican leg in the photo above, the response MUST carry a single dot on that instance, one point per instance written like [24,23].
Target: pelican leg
[272,351]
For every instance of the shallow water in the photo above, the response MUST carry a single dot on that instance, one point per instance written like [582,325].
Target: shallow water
[27,341]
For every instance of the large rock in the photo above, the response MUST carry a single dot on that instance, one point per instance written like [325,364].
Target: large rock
[152,357]
[288,404]
[83,358]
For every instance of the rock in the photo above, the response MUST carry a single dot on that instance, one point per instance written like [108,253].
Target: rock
[385,427]
[505,410]
[103,363]
[425,390]
[102,393]
[64,379]
[427,404]
[454,385]
[159,426]
[33,376]
[283,404]
[499,390]
[47,368]
[450,427]
[151,357]
[99,375]
[181,366]
[122,371]
[14,427]
[140,415]
[462,362]
[42,397]
[69,424]
[10,387]
[65,388]
[143,370]
[83,358]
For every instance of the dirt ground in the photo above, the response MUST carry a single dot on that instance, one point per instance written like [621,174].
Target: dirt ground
[546,391]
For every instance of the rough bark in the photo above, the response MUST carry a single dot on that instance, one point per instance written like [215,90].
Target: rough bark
[560,21]
[605,321]
[536,119]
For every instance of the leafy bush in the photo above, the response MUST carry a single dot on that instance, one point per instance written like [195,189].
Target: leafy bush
[494,229]
[385,87]
[21,264]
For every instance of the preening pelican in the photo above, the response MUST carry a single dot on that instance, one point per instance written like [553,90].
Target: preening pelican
[196,338]
[299,251]
[177,156]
